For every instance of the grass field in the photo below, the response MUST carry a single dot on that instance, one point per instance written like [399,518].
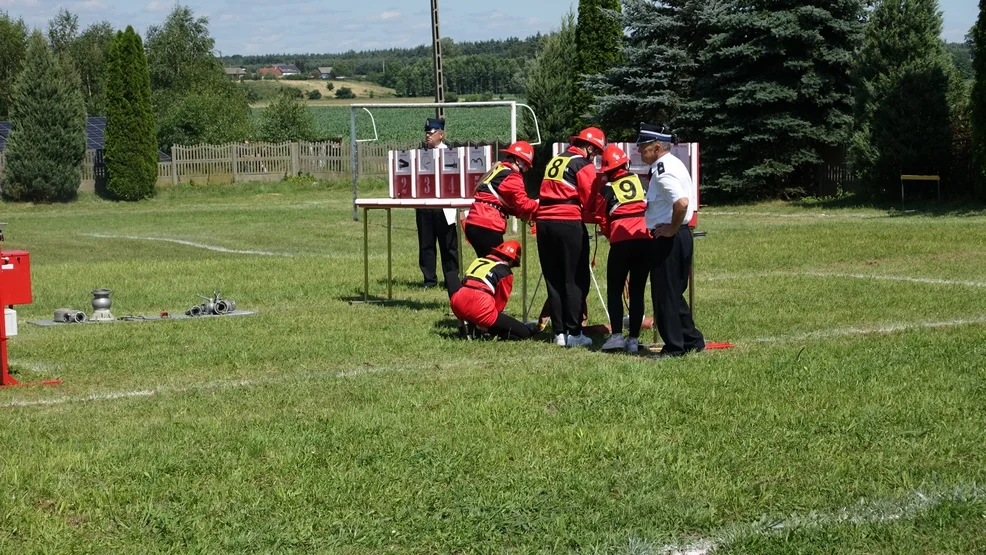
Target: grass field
[850,417]
[485,124]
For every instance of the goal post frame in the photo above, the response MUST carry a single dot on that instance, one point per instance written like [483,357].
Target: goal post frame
[354,142]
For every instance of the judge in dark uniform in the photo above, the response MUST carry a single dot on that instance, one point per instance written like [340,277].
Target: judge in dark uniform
[436,224]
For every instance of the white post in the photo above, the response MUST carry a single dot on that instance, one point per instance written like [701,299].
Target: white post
[513,139]
[355,158]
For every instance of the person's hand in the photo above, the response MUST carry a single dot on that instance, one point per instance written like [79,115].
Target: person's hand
[663,230]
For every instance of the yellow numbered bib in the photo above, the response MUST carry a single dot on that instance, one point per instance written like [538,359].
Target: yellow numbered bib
[480,269]
[629,190]
[491,175]
[556,168]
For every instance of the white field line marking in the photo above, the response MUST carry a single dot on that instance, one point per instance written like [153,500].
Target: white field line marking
[865,512]
[876,277]
[890,328]
[223,249]
[247,382]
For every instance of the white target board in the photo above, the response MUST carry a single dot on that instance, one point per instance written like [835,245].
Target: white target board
[401,173]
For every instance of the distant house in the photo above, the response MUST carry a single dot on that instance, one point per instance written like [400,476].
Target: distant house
[279,70]
[325,72]
[235,73]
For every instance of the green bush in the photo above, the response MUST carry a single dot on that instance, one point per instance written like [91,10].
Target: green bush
[286,119]
[314,94]
[131,143]
[296,77]
[329,86]
[48,141]
[345,93]
[293,92]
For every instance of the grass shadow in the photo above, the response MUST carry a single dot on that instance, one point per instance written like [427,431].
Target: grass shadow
[409,304]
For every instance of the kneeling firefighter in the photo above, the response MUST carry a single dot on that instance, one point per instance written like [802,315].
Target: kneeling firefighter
[483,294]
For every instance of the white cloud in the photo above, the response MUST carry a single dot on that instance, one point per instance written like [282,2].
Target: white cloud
[156,6]
[389,15]
[93,5]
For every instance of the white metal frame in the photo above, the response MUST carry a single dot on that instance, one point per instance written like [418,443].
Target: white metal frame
[354,142]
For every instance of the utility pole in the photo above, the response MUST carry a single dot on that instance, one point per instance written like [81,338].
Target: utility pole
[437,41]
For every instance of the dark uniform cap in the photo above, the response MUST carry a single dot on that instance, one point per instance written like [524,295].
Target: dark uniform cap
[434,124]
[650,133]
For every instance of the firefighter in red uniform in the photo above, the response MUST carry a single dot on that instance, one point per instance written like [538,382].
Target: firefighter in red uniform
[621,209]
[567,194]
[485,290]
[501,193]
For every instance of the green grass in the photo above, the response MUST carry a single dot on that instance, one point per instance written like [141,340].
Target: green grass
[407,124]
[316,426]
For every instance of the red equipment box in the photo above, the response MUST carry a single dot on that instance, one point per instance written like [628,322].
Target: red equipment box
[15,278]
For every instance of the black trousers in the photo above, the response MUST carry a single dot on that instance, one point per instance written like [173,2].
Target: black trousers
[432,227]
[483,239]
[563,247]
[628,258]
[506,327]
[672,263]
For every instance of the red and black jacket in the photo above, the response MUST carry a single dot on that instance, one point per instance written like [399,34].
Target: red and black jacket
[568,187]
[620,208]
[501,193]
[491,276]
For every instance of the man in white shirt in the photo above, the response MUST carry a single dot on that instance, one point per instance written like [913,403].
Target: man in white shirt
[436,224]
[671,201]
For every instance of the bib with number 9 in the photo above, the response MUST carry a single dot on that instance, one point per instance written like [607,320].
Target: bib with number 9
[480,269]
[629,190]
[556,168]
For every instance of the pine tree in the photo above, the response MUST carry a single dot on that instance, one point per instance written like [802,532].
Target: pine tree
[598,38]
[131,144]
[48,141]
[654,78]
[549,92]
[978,36]
[772,90]
[286,119]
[904,80]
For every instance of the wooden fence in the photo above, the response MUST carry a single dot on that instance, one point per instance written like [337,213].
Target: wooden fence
[253,162]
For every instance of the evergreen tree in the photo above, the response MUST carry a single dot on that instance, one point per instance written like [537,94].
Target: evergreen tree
[905,81]
[549,92]
[654,79]
[13,42]
[978,39]
[598,37]
[48,141]
[772,90]
[286,119]
[131,145]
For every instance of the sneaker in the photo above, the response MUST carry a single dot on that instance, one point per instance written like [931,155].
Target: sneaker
[632,345]
[560,340]
[615,343]
[580,340]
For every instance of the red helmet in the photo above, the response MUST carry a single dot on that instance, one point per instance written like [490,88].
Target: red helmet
[522,150]
[614,158]
[592,135]
[509,250]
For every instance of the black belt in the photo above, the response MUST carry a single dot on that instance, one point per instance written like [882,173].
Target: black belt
[625,216]
[494,205]
[556,202]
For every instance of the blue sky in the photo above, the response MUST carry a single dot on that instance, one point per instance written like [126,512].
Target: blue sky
[301,26]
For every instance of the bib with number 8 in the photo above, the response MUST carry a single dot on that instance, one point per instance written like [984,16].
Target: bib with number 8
[556,168]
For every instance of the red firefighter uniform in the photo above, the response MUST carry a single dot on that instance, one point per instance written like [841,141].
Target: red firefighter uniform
[621,207]
[568,188]
[501,192]
[485,290]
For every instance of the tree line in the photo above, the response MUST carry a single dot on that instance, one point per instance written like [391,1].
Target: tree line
[774,90]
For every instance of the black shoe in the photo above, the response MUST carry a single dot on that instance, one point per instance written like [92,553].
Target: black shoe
[695,349]
[429,285]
